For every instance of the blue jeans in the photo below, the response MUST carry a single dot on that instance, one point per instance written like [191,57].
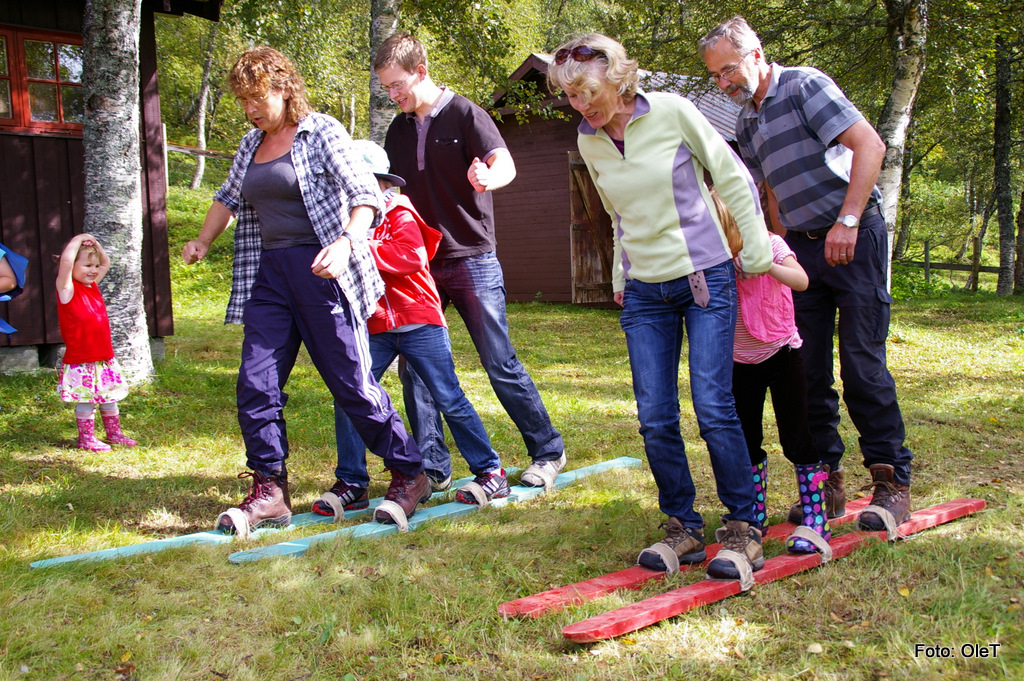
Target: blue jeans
[429,351]
[653,319]
[475,286]
[857,293]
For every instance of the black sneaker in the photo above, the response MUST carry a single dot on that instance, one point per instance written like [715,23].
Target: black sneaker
[350,498]
[494,485]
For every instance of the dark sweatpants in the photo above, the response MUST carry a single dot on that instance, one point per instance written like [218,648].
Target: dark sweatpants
[783,375]
[290,305]
[857,294]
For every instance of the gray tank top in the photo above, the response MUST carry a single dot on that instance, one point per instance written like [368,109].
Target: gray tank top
[272,188]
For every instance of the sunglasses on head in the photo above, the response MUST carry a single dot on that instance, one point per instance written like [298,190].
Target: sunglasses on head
[578,53]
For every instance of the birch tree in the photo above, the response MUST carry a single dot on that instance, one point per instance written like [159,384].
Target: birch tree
[908,36]
[201,105]
[384,17]
[113,184]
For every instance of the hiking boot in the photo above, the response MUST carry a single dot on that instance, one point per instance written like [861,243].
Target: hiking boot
[687,543]
[741,538]
[888,494]
[835,497]
[542,473]
[87,435]
[438,484]
[350,498]
[267,504]
[406,493]
[493,484]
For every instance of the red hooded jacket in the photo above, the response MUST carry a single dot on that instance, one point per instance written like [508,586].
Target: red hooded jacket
[402,247]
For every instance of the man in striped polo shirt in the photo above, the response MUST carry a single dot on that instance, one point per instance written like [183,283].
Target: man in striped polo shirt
[818,158]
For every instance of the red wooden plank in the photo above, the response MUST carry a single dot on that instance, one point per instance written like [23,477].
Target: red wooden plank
[632,578]
[673,603]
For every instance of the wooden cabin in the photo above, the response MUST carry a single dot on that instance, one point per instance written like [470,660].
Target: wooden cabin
[41,163]
[554,236]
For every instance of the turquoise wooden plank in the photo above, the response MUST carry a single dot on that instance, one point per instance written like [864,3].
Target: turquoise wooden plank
[373,529]
[214,536]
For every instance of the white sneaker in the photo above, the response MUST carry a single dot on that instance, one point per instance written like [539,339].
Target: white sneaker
[542,473]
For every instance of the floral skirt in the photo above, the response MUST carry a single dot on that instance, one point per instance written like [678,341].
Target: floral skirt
[93,382]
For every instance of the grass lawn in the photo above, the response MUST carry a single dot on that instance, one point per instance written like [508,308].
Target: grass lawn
[424,605]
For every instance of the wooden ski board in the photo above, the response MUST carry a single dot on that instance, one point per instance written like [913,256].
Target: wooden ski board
[657,608]
[215,536]
[634,577]
[374,529]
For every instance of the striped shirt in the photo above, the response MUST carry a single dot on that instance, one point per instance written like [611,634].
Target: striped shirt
[333,180]
[791,143]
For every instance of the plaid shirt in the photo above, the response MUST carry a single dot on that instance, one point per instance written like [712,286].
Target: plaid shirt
[333,180]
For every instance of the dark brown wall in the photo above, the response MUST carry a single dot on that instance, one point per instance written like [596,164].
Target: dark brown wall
[42,192]
[53,15]
[532,213]
[40,209]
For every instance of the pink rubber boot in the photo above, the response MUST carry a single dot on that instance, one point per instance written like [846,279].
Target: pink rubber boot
[87,435]
[112,424]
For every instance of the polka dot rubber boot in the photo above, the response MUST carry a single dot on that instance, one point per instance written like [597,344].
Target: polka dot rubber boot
[811,481]
[760,473]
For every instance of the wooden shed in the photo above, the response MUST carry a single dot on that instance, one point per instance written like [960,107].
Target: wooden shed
[41,159]
[554,236]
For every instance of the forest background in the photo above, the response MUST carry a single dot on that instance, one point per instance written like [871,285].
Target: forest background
[962,170]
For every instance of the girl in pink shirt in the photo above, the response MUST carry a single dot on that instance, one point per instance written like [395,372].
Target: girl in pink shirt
[766,356]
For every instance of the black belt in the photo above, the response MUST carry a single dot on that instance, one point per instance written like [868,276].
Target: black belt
[870,211]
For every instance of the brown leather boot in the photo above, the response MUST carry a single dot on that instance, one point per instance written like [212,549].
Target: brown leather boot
[835,497]
[268,503]
[888,494]
[407,493]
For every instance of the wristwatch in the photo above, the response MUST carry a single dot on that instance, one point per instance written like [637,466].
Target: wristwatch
[850,221]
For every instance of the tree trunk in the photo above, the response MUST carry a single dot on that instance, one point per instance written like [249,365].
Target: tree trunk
[908,33]
[383,24]
[1018,270]
[113,185]
[982,231]
[903,233]
[1002,135]
[204,95]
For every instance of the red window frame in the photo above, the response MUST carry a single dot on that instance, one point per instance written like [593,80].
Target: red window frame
[18,79]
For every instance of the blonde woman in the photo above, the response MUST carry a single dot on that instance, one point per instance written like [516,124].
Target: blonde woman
[647,154]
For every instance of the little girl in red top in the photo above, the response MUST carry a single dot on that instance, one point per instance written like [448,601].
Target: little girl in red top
[89,374]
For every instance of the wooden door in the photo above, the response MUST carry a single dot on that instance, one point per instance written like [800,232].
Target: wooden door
[590,237]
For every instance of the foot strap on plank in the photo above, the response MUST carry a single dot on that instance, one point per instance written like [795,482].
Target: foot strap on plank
[812,537]
[666,553]
[332,500]
[892,532]
[742,565]
[396,512]
[238,520]
[478,493]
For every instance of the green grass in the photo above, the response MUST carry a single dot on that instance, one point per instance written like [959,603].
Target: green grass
[424,605]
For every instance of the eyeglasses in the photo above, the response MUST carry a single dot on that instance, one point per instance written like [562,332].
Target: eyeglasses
[726,74]
[578,53]
[255,101]
[396,87]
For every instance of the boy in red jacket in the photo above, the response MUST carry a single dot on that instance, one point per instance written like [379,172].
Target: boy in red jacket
[409,321]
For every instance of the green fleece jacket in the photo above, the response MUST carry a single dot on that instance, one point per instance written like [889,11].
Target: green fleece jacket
[664,220]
